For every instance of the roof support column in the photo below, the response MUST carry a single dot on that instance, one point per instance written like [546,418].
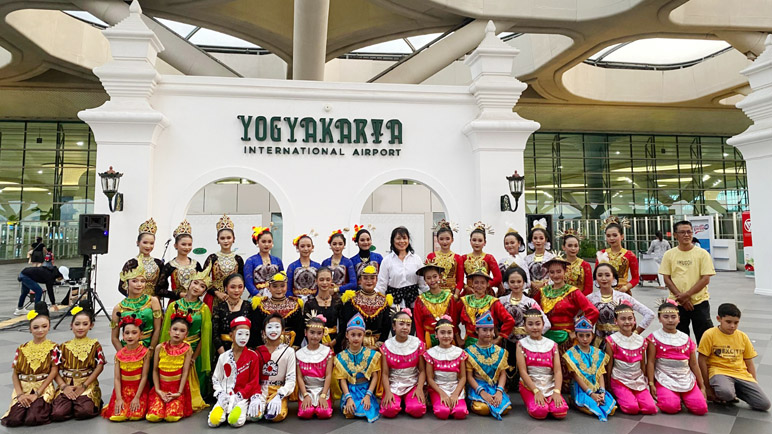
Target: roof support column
[309,39]
[755,143]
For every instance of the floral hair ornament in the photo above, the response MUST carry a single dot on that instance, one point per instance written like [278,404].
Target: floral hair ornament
[32,315]
[358,228]
[259,230]
[487,229]
[186,316]
[336,232]
[602,257]
[406,311]
[624,306]
[448,324]
[667,305]
[445,224]
[314,315]
[370,270]
[281,276]
[75,310]
[310,234]
[130,319]
[612,219]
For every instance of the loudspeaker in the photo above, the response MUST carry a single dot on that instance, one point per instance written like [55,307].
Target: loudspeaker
[94,232]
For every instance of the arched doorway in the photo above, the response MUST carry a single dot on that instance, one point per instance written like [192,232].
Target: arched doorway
[408,203]
[246,202]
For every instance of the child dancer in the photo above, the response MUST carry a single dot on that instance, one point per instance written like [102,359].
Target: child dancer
[451,264]
[433,304]
[485,372]
[343,274]
[587,365]
[357,368]
[326,303]
[236,380]
[172,360]
[627,351]
[199,336]
[33,371]
[605,299]
[402,369]
[314,373]
[180,269]
[224,263]
[540,373]
[224,313]
[132,363]
[516,303]
[478,303]
[579,271]
[301,274]
[145,307]
[371,305]
[82,361]
[479,261]
[539,242]
[446,373]
[278,379]
[672,362]
[259,268]
[515,246]
[277,302]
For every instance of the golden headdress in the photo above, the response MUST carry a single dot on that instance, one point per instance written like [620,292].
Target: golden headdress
[204,275]
[612,219]
[557,258]
[225,222]
[562,233]
[445,224]
[183,229]
[148,227]
[480,226]
[139,270]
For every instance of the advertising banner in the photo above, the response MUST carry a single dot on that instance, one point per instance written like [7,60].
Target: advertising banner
[747,244]
[703,230]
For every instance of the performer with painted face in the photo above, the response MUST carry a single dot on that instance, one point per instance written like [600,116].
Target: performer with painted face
[451,264]
[372,306]
[343,273]
[177,273]
[289,308]
[151,266]
[301,274]
[402,369]
[223,263]
[314,373]
[486,367]
[278,378]
[367,255]
[357,369]
[236,380]
[260,267]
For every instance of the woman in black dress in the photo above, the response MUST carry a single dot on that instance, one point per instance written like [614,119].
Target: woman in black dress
[223,313]
[326,303]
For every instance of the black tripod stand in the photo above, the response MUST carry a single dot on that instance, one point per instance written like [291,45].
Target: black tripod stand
[90,292]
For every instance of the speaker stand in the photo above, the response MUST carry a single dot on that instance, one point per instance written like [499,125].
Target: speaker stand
[90,293]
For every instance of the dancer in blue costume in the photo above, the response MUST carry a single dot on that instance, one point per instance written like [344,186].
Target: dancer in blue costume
[587,365]
[357,368]
[486,367]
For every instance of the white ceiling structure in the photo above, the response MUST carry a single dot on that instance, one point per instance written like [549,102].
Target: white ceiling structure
[655,66]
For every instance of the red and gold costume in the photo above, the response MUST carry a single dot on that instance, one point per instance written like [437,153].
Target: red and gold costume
[428,309]
[171,360]
[472,308]
[624,261]
[579,274]
[32,364]
[80,357]
[485,263]
[290,308]
[374,309]
[562,305]
[130,363]
[453,269]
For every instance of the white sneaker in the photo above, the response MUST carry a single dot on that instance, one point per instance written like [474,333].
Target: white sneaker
[20,312]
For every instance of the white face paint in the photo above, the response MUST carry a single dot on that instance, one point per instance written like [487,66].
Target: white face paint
[273,330]
[242,337]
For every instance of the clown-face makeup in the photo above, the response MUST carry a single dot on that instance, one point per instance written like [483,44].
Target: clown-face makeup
[273,330]
[241,337]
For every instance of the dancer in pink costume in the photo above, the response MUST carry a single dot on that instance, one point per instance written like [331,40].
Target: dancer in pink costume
[445,373]
[315,372]
[402,369]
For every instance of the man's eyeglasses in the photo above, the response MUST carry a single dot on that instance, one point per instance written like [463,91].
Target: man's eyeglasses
[685,232]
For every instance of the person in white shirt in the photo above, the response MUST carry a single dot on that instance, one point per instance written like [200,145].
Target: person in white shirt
[397,275]
[658,247]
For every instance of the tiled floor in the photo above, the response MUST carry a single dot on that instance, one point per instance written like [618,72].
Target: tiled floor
[736,419]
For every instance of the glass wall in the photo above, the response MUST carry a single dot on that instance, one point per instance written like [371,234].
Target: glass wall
[47,172]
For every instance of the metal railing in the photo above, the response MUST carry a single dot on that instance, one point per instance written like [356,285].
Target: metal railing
[60,237]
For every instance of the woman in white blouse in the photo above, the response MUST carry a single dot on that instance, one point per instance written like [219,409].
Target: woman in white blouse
[658,247]
[397,275]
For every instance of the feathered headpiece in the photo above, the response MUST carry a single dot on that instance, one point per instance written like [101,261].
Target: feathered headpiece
[259,230]
[480,226]
[612,219]
[445,224]
[183,229]
[311,234]
[148,227]
[225,222]
[358,228]
[335,232]
[314,314]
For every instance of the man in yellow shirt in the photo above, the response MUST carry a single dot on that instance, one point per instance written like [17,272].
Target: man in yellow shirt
[687,270]
[726,358]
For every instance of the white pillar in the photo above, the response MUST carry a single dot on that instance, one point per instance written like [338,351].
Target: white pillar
[309,39]
[755,143]
[498,135]
[126,129]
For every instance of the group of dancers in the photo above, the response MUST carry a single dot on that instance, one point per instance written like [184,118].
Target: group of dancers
[377,334]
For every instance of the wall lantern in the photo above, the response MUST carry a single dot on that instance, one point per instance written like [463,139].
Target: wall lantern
[110,181]
[516,188]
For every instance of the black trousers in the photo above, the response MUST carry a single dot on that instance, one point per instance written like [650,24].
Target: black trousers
[699,319]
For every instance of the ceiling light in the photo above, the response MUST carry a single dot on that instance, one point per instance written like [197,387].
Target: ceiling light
[8,183]
[26,189]
[705,177]
[617,152]
[725,154]
[40,172]
[79,143]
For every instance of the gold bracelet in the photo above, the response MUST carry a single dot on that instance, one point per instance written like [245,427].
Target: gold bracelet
[536,390]
[556,391]
[322,396]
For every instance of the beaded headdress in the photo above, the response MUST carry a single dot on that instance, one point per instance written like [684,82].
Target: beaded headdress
[445,324]
[148,227]
[225,222]
[313,324]
[534,315]
[624,306]
[672,306]
[406,311]
[183,229]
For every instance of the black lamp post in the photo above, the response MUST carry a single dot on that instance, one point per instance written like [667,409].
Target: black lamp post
[516,188]
[110,181]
